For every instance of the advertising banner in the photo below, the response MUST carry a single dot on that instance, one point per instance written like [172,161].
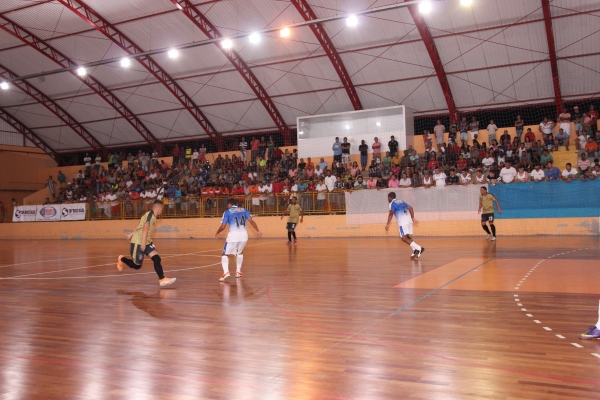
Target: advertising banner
[24,213]
[48,212]
[72,212]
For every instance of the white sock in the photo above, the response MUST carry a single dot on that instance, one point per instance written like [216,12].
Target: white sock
[225,264]
[415,246]
[239,261]
[598,324]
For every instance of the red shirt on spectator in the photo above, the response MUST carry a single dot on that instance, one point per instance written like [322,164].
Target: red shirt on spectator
[277,153]
[255,145]
[134,196]
[461,163]
[530,135]
[277,187]
[431,165]
[244,176]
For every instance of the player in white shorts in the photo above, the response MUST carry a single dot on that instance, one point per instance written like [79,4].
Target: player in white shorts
[405,216]
[236,218]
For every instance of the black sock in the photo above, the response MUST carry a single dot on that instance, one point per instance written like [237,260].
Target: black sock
[294,234]
[485,228]
[158,267]
[289,236]
[493,230]
[130,263]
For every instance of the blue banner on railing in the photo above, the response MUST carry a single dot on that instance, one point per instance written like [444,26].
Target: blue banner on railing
[549,199]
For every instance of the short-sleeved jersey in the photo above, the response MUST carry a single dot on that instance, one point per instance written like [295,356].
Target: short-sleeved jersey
[236,218]
[295,210]
[487,203]
[401,212]
[148,218]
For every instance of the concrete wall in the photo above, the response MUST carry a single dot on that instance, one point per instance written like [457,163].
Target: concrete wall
[274,227]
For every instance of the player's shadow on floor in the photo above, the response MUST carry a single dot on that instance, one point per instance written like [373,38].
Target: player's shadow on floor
[235,294]
[151,303]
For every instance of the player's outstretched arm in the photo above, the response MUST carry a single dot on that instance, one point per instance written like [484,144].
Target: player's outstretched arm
[258,233]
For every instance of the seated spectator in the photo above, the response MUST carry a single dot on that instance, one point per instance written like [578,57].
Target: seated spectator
[405,181]
[584,163]
[508,173]
[374,169]
[546,157]
[591,148]
[393,182]
[372,183]
[415,180]
[552,173]
[462,162]
[479,178]
[537,175]
[522,175]
[596,172]
[360,183]
[381,183]
[453,179]
[464,177]
[569,173]
[581,141]
[561,139]
[439,178]
[488,162]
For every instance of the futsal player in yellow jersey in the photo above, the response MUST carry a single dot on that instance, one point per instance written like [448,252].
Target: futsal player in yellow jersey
[296,213]
[486,203]
[141,244]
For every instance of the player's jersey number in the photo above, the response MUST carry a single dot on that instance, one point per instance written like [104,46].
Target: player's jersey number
[240,222]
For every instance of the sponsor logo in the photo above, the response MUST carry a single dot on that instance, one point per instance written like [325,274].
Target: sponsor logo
[67,211]
[19,212]
[48,212]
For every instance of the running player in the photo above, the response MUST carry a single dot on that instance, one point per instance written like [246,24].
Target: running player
[405,216]
[236,217]
[141,244]
[593,331]
[295,213]
[486,202]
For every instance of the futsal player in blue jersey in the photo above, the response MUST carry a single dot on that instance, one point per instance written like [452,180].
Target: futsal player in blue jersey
[405,216]
[236,218]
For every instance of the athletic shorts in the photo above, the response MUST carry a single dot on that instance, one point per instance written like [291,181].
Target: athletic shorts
[405,230]
[463,136]
[439,139]
[487,217]
[566,127]
[233,248]
[138,255]
[291,226]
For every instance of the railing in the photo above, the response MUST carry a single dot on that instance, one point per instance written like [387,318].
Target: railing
[198,207]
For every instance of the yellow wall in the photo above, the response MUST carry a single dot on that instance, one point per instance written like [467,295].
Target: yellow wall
[274,227]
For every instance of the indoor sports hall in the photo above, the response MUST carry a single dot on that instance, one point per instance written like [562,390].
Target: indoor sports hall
[299,199]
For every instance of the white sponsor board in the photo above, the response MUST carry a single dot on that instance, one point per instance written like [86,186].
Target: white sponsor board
[24,213]
[72,212]
[48,212]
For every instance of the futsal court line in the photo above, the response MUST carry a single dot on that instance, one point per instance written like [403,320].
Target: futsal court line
[528,274]
[24,277]
[406,349]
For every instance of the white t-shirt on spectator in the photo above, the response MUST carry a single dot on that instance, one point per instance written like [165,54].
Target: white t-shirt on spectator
[322,189]
[465,178]
[569,174]
[440,179]
[547,128]
[582,140]
[195,155]
[87,161]
[129,184]
[488,161]
[439,131]
[112,198]
[405,182]
[537,175]
[330,182]
[508,174]
[492,130]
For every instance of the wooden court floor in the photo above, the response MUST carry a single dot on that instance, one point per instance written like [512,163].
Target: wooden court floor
[325,319]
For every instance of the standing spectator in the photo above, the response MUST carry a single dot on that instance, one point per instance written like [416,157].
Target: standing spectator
[387,163]
[463,127]
[590,121]
[98,162]
[564,119]
[438,132]
[439,178]
[508,173]
[393,145]
[474,127]
[254,148]
[270,147]
[243,146]
[337,150]
[87,160]
[262,147]
[452,133]
[51,185]
[569,173]
[545,128]
[519,123]
[364,153]
[376,146]
[321,195]
[62,180]
[552,173]
[195,157]
[577,120]
[176,155]
[202,154]
[492,128]
[346,152]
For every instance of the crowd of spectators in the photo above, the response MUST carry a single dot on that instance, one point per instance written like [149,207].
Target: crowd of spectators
[267,174]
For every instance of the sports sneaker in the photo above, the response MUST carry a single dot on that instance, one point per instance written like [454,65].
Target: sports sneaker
[238,274]
[414,254]
[288,243]
[120,264]
[493,238]
[166,281]
[489,235]
[295,241]
[592,333]
[224,276]
[420,253]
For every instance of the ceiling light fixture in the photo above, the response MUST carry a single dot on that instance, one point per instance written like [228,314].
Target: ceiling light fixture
[466,2]
[425,7]
[227,44]
[285,32]
[173,53]
[4,86]
[254,38]
[125,63]
[352,21]
[81,71]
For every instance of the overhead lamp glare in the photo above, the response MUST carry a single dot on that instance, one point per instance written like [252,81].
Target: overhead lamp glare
[81,71]
[125,63]
[352,21]
[4,86]
[425,7]
[466,2]
[254,38]
[173,53]
[285,32]
[227,44]
[378,124]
